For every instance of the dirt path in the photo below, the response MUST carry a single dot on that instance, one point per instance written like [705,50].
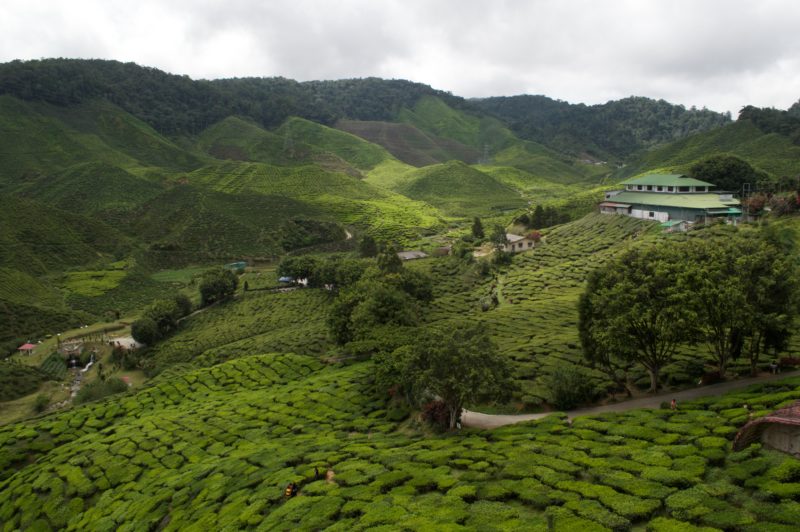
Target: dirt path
[490,421]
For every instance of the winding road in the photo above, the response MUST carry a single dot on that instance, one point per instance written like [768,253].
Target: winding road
[479,420]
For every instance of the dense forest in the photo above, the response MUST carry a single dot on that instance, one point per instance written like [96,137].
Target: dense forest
[786,123]
[175,105]
[178,105]
[613,130]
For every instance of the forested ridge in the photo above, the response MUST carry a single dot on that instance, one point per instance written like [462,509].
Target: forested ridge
[613,130]
[175,104]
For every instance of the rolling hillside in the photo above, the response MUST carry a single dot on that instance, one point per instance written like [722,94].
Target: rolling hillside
[612,131]
[142,459]
[409,144]
[773,153]
[460,190]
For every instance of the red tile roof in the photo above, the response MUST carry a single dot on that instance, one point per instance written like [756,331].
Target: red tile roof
[26,347]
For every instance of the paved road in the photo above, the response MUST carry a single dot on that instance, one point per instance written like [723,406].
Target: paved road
[490,421]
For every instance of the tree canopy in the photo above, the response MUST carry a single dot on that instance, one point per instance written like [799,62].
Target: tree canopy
[734,291]
[216,285]
[633,309]
[456,363]
[727,172]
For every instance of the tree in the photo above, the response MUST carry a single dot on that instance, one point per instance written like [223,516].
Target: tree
[727,172]
[389,261]
[634,309]
[165,313]
[498,237]
[367,247]
[300,267]
[537,220]
[184,304]
[477,228]
[376,300]
[744,292]
[145,331]
[457,364]
[217,285]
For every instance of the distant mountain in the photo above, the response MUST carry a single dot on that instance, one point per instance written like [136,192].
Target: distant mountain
[611,131]
[177,105]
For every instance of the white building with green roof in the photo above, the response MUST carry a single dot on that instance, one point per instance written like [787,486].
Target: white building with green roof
[670,197]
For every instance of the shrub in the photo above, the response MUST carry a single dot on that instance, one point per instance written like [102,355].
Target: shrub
[569,386]
[145,331]
[99,389]
[41,403]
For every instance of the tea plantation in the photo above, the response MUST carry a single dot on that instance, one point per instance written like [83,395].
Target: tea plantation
[213,449]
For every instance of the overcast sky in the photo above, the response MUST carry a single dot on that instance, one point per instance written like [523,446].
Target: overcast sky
[722,54]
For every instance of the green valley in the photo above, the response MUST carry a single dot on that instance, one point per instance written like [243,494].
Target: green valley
[262,304]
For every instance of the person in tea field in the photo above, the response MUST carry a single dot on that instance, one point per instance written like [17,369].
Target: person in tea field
[673,405]
[290,491]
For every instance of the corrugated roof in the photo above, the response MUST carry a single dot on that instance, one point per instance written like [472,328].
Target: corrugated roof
[686,201]
[514,238]
[668,180]
[751,432]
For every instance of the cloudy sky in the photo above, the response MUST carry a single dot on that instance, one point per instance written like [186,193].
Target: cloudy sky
[721,54]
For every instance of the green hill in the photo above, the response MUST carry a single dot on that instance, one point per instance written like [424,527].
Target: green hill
[772,152]
[460,190]
[409,144]
[40,139]
[611,131]
[296,141]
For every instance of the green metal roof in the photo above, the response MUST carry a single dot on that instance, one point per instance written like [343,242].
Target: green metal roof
[670,223]
[668,180]
[686,201]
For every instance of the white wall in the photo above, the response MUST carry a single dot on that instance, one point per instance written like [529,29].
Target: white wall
[645,215]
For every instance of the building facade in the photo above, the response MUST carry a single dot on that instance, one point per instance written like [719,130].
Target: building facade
[670,197]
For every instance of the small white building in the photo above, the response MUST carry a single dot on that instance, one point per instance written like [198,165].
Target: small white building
[518,243]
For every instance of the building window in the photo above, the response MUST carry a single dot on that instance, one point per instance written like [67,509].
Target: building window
[649,187]
[684,189]
[670,189]
[638,187]
[652,214]
[659,189]
[701,189]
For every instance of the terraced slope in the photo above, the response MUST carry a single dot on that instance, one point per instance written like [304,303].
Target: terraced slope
[460,190]
[772,153]
[535,323]
[214,448]
[409,144]
[348,200]
[261,322]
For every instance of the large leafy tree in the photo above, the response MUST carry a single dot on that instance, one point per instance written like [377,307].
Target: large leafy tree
[378,299]
[634,310]
[744,292]
[457,364]
[216,285]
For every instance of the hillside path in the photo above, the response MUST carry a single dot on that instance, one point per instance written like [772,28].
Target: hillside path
[479,420]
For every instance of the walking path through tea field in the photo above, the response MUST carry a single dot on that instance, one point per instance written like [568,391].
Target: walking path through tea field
[491,421]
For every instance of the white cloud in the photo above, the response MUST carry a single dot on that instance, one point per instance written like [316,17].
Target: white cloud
[714,53]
